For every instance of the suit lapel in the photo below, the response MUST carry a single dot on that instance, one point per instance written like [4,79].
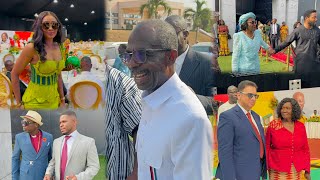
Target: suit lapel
[58,150]
[74,146]
[43,143]
[29,144]
[260,128]
[245,120]
[189,65]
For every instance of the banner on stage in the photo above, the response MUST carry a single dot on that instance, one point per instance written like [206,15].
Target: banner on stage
[16,39]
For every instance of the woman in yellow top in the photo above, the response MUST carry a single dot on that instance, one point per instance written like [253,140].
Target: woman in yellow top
[46,57]
[284,31]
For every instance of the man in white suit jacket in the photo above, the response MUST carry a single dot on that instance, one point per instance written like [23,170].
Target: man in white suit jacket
[82,162]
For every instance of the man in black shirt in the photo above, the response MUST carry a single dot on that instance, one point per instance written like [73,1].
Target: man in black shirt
[307,38]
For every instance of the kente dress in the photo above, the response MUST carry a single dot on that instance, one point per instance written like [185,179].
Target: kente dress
[283,32]
[223,40]
[42,91]
[288,152]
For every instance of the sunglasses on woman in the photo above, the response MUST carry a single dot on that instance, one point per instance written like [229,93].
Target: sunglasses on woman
[140,56]
[252,22]
[53,25]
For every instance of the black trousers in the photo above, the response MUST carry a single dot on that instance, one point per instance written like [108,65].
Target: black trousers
[274,40]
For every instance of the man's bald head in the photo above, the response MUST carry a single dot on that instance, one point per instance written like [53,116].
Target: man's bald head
[299,97]
[180,26]
[177,22]
[86,64]
[153,45]
[8,64]
[157,33]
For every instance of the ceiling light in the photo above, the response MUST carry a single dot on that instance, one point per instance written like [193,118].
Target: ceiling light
[55,1]
[36,15]
[85,23]
[66,19]
[72,6]
[92,12]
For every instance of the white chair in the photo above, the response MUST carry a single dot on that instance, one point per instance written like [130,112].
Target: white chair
[6,93]
[85,95]
[8,57]
[96,61]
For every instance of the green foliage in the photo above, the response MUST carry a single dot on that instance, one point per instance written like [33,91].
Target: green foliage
[270,66]
[201,16]
[14,50]
[102,170]
[152,7]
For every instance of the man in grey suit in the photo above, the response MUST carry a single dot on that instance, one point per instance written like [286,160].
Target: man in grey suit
[194,68]
[74,155]
[241,142]
[274,33]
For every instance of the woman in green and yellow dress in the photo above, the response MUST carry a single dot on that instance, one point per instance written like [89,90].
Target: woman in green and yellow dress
[47,59]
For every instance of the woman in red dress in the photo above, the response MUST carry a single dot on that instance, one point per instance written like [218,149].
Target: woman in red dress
[287,144]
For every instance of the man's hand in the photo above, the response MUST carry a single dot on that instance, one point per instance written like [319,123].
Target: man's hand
[72,177]
[271,51]
[307,175]
[133,176]
[47,177]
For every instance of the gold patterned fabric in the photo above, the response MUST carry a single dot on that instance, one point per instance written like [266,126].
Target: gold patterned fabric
[292,175]
[224,49]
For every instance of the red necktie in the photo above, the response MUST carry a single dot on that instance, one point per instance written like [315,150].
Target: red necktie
[64,157]
[257,133]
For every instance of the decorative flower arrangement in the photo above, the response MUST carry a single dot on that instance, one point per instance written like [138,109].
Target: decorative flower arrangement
[16,37]
[274,103]
[66,45]
[314,119]
[14,50]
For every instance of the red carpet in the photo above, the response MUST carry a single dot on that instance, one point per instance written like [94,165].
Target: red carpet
[281,57]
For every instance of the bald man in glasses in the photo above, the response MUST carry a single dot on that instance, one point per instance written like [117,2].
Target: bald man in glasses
[174,139]
[35,147]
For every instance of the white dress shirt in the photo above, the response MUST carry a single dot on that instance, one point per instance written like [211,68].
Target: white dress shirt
[224,107]
[70,141]
[274,29]
[174,136]
[253,120]
[179,61]
[86,76]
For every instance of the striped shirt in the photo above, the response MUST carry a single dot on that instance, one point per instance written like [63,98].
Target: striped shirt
[123,112]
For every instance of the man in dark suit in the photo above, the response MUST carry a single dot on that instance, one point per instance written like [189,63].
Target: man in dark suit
[241,142]
[274,33]
[9,66]
[194,68]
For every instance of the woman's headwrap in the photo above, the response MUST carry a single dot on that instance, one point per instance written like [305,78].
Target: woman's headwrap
[243,18]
